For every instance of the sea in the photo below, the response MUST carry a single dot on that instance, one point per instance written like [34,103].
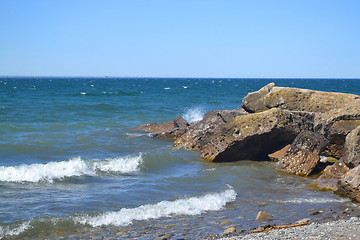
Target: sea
[71,168]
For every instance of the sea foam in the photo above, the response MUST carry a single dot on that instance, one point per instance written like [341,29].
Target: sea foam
[70,168]
[194,115]
[186,206]
[14,231]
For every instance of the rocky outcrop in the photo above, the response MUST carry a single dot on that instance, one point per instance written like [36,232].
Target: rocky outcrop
[349,184]
[304,154]
[171,129]
[251,136]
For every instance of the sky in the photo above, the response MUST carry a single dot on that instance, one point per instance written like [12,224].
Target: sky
[181,38]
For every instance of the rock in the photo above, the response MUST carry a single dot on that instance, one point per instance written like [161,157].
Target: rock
[225,222]
[255,101]
[230,230]
[296,99]
[262,216]
[278,155]
[328,180]
[304,154]
[351,156]
[164,237]
[315,213]
[337,134]
[304,220]
[171,129]
[250,137]
[209,127]
[349,184]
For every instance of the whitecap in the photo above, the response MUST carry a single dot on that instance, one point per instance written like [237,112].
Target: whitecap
[83,93]
[194,115]
[167,88]
[14,231]
[186,206]
[73,167]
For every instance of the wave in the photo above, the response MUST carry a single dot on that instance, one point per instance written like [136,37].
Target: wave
[74,167]
[14,231]
[194,115]
[187,206]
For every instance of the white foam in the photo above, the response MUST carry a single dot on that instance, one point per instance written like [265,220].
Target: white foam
[8,231]
[193,115]
[167,88]
[71,168]
[187,206]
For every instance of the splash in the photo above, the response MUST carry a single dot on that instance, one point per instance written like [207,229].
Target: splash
[194,115]
[187,206]
[74,167]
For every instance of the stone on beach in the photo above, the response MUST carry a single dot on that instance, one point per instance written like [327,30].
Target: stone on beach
[263,216]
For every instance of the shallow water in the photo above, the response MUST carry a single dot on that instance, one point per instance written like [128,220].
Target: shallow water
[69,162]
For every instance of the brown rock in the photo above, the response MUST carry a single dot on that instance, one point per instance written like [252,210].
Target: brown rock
[337,134]
[304,154]
[351,155]
[209,127]
[255,101]
[171,129]
[262,216]
[230,230]
[328,180]
[278,155]
[349,184]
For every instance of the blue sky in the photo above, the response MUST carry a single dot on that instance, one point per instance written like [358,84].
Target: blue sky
[204,38]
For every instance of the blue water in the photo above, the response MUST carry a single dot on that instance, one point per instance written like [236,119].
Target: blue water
[67,155]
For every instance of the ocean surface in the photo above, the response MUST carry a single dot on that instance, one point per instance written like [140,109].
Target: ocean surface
[70,164]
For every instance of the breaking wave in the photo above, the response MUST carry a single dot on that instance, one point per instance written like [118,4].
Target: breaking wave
[14,231]
[194,115]
[186,206]
[73,167]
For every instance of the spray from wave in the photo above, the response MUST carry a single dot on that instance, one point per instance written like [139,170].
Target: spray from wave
[74,167]
[14,231]
[194,115]
[187,206]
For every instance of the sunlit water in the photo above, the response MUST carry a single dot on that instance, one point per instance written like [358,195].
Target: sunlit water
[69,162]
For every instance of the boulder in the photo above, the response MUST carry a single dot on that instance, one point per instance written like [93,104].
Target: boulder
[255,101]
[278,155]
[251,136]
[349,184]
[329,179]
[201,133]
[351,156]
[303,154]
[337,134]
[295,99]
[171,129]
[262,216]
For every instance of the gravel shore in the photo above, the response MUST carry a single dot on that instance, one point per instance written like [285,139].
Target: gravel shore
[340,229]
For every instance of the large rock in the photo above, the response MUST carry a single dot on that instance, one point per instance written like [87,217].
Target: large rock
[303,154]
[296,99]
[278,155]
[251,136]
[171,129]
[351,156]
[201,133]
[329,179]
[337,134]
[349,184]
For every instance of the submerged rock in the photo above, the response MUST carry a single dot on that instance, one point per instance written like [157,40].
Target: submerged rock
[171,129]
[304,154]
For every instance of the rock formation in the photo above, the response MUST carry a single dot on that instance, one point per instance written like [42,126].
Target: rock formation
[318,125]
